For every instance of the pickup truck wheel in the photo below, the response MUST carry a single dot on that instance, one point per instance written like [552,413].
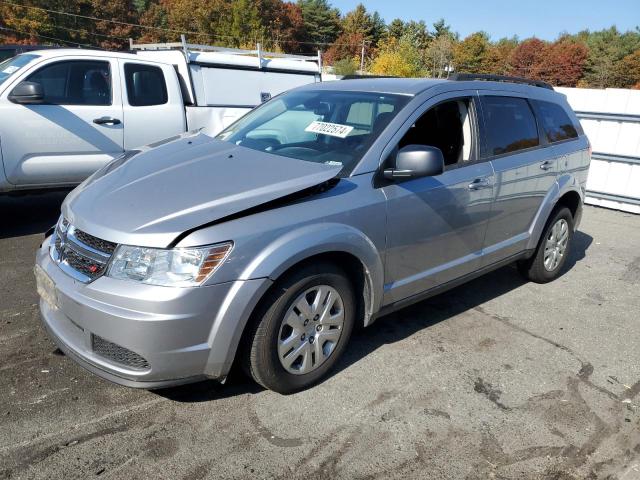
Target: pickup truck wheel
[552,250]
[301,329]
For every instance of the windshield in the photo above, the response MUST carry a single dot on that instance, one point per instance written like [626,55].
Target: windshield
[12,65]
[331,127]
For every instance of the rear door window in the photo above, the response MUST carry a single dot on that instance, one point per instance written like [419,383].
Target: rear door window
[146,85]
[556,123]
[509,124]
[75,82]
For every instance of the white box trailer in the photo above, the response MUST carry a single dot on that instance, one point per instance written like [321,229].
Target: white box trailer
[222,84]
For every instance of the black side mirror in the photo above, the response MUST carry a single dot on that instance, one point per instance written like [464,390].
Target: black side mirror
[415,161]
[27,93]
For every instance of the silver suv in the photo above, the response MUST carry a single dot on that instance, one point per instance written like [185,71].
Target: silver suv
[323,209]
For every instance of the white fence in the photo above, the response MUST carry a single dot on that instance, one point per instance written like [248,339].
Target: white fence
[611,120]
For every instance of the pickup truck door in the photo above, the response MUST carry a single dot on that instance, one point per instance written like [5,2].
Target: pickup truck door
[153,102]
[76,130]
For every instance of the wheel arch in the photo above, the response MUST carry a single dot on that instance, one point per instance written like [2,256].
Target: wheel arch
[564,192]
[341,245]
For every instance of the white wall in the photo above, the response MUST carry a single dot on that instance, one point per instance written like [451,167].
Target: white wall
[611,120]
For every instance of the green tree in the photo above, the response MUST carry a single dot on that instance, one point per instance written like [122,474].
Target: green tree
[246,24]
[395,29]
[417,33]
[321,21]
[440,28]
[360,21]
[606,49]
[345,66]
[378,29]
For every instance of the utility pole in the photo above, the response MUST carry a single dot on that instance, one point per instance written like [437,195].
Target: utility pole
[362,57]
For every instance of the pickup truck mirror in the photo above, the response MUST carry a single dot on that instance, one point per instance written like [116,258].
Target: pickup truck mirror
[27,93]
[414,161]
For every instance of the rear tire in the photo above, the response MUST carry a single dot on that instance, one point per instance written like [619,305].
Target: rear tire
[300,329]
[553,248]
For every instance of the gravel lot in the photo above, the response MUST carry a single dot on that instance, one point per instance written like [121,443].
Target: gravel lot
[495,379]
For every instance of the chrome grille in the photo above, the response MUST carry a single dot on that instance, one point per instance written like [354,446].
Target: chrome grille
[79,254]
[118,354]
[95,242]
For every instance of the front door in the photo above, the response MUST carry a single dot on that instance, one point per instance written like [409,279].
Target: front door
[74,132]
[436,225]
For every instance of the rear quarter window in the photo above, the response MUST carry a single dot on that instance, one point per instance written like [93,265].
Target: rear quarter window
[556,124]
[145,85]
[509,123]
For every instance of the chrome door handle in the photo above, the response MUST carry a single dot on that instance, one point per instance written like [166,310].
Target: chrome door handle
[106,121]
[546,165]
[479,183]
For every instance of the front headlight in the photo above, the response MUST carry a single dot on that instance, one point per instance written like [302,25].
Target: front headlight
[178,267]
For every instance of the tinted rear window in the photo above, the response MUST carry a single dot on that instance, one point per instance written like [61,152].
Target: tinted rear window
[555,122]
[510,124]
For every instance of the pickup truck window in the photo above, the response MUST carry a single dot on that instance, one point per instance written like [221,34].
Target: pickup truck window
[12,65]
[145,85]
[331,127]
[75,82]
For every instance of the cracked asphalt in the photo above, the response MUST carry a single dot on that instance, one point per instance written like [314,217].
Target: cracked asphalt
[496,379]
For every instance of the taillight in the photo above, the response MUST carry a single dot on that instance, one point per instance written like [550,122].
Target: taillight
[590,149]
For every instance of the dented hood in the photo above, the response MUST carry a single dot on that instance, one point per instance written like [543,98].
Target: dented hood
[153,197]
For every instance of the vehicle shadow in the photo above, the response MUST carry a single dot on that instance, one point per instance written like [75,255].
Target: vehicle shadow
[29,214]
[390,328]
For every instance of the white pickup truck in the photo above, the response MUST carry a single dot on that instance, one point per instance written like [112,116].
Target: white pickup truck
[66,112]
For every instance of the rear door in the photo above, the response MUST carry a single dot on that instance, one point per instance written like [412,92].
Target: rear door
[74,132]
[560,131]
[153,103]
[436,225]
[525,170]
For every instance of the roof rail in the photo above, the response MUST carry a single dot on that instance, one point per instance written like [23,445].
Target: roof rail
[188,48]
[499,78]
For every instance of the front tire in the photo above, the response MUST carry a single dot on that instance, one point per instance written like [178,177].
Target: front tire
[553,248]
[300,329]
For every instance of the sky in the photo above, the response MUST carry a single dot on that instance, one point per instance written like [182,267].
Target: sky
[544,19]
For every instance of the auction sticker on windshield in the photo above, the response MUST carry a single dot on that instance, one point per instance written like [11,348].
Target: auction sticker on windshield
[331,129]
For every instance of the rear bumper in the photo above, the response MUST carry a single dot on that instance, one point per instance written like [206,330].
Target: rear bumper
[173,335]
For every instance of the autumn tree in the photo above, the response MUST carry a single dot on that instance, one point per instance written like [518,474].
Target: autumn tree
[498,56]
[627,71]
[439,56]
[469,55]
[398,58]
[347,45]
[527,58]
[283,23]
[562,62]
